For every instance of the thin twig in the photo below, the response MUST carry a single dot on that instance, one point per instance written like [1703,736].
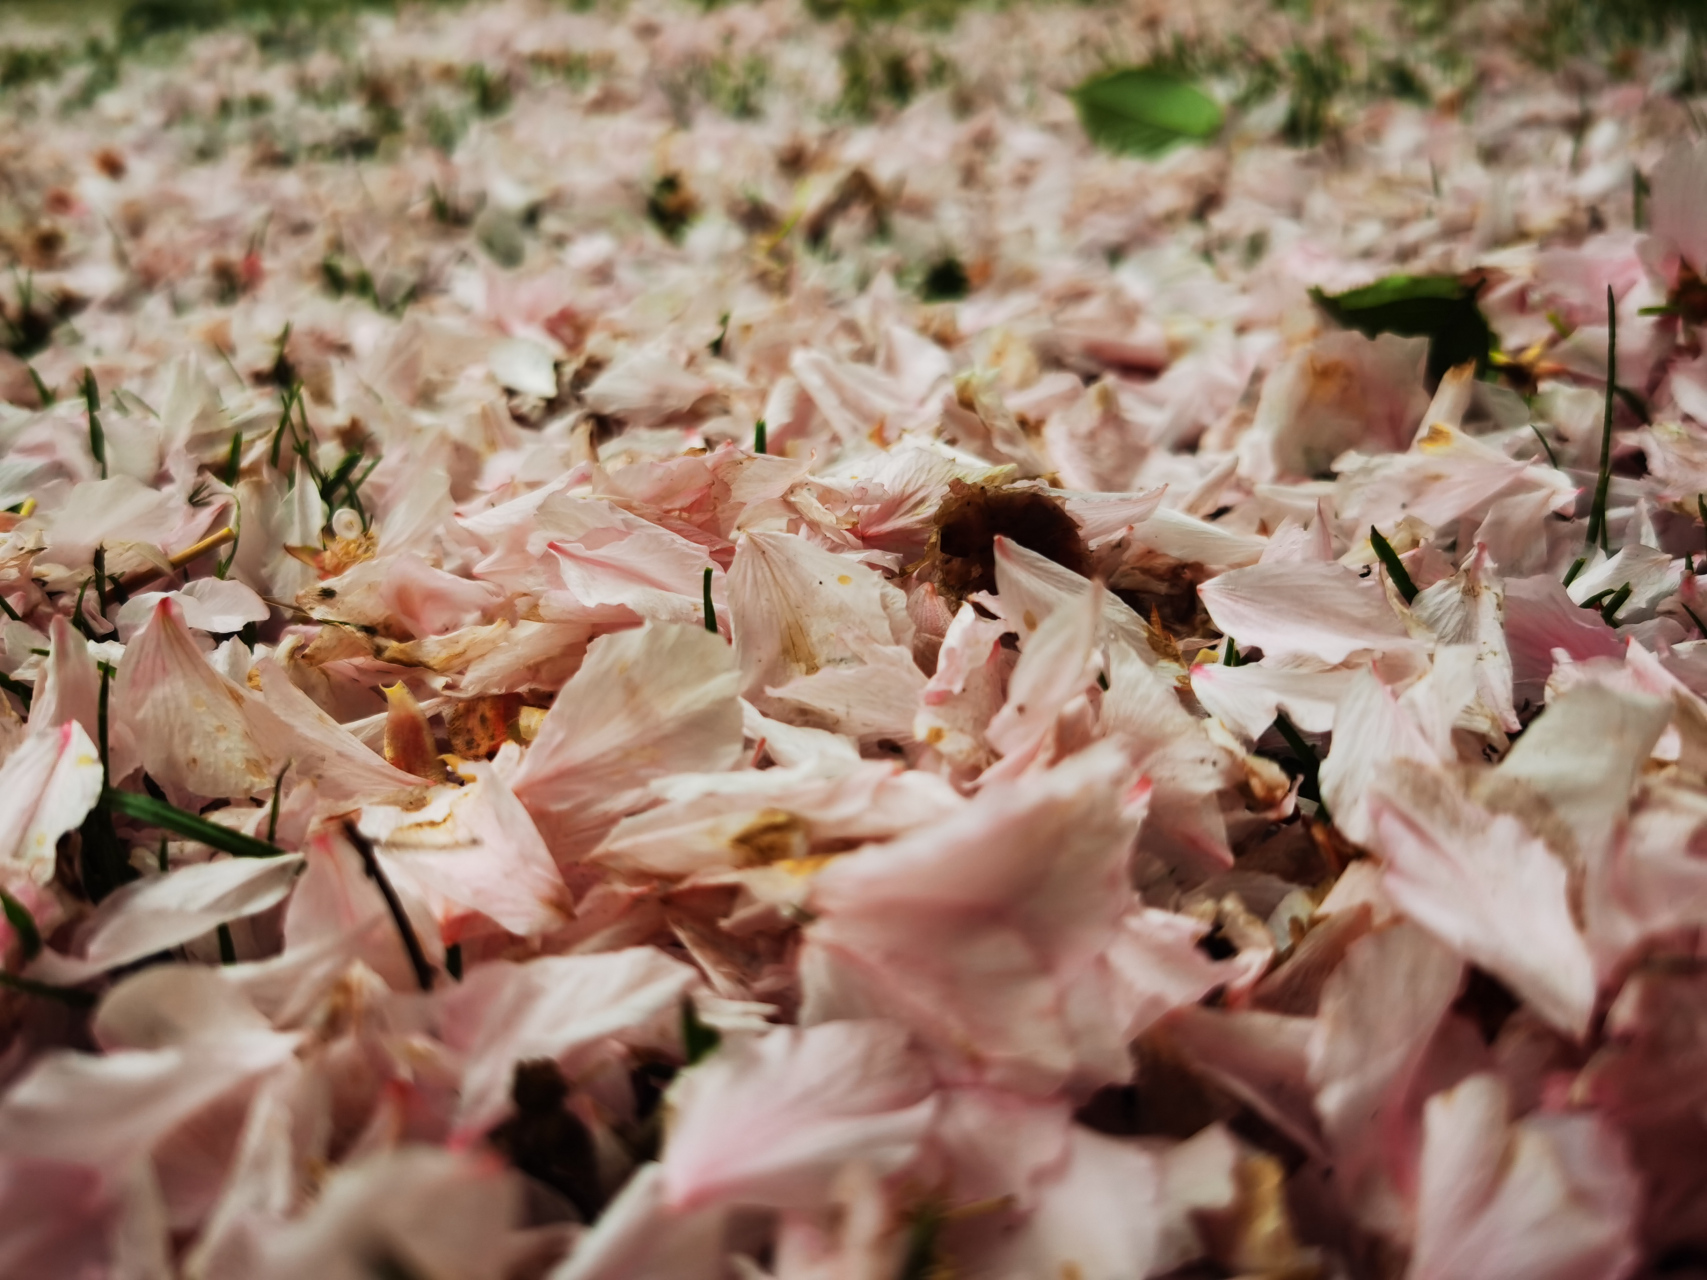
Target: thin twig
[394,904]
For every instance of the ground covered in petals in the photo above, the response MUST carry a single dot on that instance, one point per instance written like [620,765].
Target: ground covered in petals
[1044,643]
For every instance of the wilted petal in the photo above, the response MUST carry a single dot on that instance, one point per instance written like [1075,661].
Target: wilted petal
[772,1120]
[150,916]
[472,849]
[1551,1197]
[645,703]
[555,1007]
[192,726]
[1119,1210]
[1320,611]
[50,782]
[1487,888]
[798,608]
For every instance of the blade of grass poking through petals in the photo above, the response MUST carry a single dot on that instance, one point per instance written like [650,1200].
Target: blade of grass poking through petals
[1230,654]
[1552,458]
[42,389]
[1395,567]
[710,609]
[234,459]
[698,1040]
[922,1260]
[19,690]
[97,437]
[100,567]
[1609,610]
[411,943]
[1597,513]
[1310,787]
[1693,617]
[273,809]
[23,924]
[104,865]
[158,813]
[759,437]
[8,610]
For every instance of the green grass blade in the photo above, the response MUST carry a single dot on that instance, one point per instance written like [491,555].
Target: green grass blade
[157,813]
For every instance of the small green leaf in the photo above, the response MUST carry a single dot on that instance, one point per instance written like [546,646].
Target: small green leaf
[759,436]
[698,1040]
[1395,567]
[157,813]
[23,924]
[1440,308]
[1142,112]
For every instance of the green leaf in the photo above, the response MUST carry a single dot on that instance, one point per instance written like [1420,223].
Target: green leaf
[698,1040]
[1603,481]
[1137,111]
[1395,567]
[1440,308]
[23,924]
[157,813]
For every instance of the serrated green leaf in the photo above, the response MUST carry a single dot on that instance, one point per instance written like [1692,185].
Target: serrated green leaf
[1440,308]
[1141,112]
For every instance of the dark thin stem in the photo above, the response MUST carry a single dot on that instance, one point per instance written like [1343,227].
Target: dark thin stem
[1597,513]
[394,904]
[1699,625]
[1310,788]
[273,816]
[227,948]
[1395,567]
[710,609]
[101,721]
[65,995]
[1551,457]
[1609,610]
